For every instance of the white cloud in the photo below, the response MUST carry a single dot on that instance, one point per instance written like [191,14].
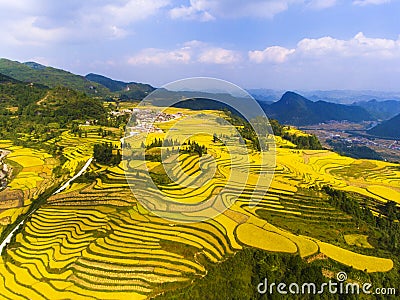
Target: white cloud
[274,54]
[24,32]
[326,49]
[206,10]
[321,46]
[359,45]
[131,11]
[370,2]
[218,56]
[190,13]
[43,21]
[160,57]
[190,52]
[321,4]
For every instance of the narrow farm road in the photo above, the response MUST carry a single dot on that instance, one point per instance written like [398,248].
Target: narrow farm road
[63,187]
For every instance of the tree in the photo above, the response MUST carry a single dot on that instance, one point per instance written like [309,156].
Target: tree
[103,153]
[215,138]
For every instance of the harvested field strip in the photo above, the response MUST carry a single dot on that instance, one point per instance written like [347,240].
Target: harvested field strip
[110,278]
[128,237]
[143,279]
[104,248]
[166,264]
[164,233]
[101,265]
[198,230]
[129,243]
[92,283]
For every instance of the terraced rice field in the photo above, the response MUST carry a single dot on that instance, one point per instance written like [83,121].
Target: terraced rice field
[32,174]
[81,251]
[77,150]
[34,170]
[95,240]
[306,168]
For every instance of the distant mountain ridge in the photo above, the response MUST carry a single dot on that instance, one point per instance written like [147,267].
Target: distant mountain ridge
[334,96]
[387,129]
[112,85]
[266,95]
[127,90]
[34,65]
[382,110]
[91,84]
[295,109]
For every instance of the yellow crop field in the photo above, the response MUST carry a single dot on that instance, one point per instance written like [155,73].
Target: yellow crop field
[294,131]
[254,236]
[358,240]
[357,261]
[385,192]
[36,167]
[283,143]
[305,168]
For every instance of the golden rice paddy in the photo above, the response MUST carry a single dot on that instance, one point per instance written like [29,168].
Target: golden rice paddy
[96,241]
[355,260]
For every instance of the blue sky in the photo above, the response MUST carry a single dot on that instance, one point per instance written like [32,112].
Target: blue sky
[278,44]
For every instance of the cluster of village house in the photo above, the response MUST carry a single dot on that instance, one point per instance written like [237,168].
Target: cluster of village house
[145,120]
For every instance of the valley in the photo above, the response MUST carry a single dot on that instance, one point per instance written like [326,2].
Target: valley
[355,134]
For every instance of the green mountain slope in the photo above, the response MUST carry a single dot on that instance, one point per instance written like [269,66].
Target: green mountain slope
[66,105]
[388,129]
[112,85]
[52,77]
[15,95]
[27,108]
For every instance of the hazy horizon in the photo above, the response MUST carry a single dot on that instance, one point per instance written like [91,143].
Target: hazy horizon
[279,44]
